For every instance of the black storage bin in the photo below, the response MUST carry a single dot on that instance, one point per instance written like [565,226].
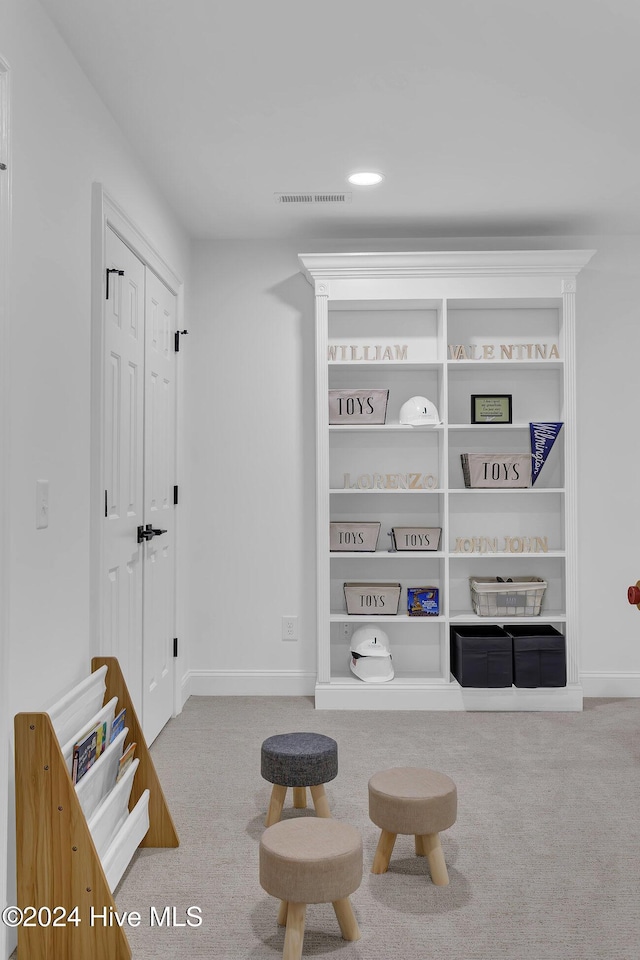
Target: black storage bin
[539,655]
[481,656]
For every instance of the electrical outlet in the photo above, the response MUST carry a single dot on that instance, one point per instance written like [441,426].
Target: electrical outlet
[289,628]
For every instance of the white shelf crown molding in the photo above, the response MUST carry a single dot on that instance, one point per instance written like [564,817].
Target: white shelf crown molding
[319,267]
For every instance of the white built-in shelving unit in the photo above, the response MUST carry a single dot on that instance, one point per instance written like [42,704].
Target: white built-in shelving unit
[424,307]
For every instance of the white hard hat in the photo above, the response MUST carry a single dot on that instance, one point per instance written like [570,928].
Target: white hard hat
[370,641]
[370,658]
[418,411]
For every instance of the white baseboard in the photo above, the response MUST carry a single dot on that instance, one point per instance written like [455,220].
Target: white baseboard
[249,683]
[294,683]
[354,695]
[183,692]
[608,684]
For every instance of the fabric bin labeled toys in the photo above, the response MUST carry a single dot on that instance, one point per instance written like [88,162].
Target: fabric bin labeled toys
[372,599]
[539,655]
[358,537]
[355,406]
[514,597]
[416,538]
[423,601]
[496,470]
[481,656]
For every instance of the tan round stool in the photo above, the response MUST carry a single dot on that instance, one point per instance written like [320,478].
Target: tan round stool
[412,800]
[311,860]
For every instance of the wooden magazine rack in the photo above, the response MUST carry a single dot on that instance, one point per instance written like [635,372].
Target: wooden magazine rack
[59,867]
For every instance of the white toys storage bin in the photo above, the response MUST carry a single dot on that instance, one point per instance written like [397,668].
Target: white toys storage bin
[355,537]
[372,599]
[496,470]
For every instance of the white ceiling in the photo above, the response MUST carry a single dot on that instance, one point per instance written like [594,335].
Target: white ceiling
[487,117]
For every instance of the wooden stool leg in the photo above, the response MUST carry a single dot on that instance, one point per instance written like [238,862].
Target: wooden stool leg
[420,851]
[383,852]
[278,793]
[300,798]
[435,856]
[294,936]
[347,919]
[320,801]
[282,913]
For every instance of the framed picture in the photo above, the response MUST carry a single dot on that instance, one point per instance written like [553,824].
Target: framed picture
[491,408]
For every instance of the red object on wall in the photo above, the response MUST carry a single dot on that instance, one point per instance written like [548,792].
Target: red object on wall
[633,594]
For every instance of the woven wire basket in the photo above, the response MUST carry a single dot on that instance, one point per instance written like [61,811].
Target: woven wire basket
[521,597]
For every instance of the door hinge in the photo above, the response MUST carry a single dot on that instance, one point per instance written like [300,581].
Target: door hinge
[175,646]
[177,335]
[3,166]
[175,494]
[106,507]
[112,270]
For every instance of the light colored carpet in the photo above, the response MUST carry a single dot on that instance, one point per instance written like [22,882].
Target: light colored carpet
[544,860]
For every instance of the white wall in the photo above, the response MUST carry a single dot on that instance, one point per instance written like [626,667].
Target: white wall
[64,139]
[608,352]
[252,456]
[249,425]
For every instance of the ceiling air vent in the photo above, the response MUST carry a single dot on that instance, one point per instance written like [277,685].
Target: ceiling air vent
[341,197]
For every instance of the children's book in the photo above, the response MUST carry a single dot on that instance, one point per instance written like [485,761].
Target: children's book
[84,756]
[118,724]
[126,759]
[101,737]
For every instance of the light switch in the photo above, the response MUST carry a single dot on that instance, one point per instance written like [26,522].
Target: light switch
[42,504]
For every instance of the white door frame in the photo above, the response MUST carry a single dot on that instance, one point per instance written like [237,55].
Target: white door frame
[107,214]
[5,254]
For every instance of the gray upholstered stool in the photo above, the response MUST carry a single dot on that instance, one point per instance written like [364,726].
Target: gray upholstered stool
[310,860]
[415,801]
[298,760]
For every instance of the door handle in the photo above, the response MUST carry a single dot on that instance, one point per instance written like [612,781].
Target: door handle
[151,532]
[633,594]
[148,533]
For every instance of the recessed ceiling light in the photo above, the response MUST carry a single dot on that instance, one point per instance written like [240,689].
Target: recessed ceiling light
[365,179]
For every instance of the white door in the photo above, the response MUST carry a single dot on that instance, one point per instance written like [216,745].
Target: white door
[140,448]
[159,478]
[123,432]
